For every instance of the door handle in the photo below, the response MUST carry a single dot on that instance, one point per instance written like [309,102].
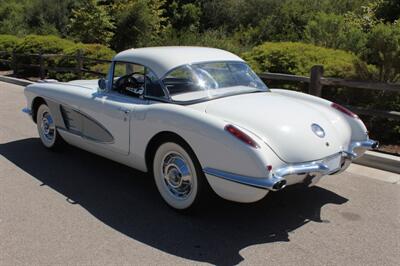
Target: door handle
[124,110]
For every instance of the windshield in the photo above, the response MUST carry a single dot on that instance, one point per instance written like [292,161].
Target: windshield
[210,80]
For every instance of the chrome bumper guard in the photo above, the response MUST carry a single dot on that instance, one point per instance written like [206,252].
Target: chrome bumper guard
[368,144]
[277,179]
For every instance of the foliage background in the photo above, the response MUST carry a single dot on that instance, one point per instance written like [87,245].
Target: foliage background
[357,39]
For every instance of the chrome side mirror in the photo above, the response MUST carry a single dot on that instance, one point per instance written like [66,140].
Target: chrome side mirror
[102,84]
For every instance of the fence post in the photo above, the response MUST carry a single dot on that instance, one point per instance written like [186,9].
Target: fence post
[42,68]
[315,80]
[14,63]
[79,63]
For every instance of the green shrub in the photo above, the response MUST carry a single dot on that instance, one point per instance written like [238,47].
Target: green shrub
[36,44]
[48,44]
[298,58]
[96,51]
[7,44]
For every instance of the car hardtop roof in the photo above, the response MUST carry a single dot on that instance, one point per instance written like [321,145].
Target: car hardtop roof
[165,58]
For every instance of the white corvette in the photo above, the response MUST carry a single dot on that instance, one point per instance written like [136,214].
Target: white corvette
[197,118]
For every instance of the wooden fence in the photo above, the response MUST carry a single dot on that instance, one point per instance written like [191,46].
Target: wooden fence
[316,80]
[43,68]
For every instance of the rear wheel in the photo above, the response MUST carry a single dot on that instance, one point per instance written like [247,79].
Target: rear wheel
[178,176]
[47,129]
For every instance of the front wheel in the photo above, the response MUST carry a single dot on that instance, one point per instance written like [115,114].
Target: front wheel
[178,176]
[47,129]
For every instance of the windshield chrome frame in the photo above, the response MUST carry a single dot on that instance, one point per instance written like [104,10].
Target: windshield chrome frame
[204,98]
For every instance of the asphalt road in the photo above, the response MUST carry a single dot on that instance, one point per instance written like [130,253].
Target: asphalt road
[73,207]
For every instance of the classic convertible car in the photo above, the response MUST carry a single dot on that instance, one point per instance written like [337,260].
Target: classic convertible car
[199,118]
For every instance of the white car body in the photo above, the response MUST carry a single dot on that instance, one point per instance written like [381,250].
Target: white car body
[122,128]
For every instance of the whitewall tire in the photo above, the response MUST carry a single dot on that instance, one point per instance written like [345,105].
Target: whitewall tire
[47,129]
[178,175]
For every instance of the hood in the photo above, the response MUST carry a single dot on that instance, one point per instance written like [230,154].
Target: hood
[282,122]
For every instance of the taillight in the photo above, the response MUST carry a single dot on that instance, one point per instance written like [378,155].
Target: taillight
[344,110]
[241,136]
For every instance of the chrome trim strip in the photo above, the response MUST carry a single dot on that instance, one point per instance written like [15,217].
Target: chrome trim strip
[47,81]
[27,111]
[79,134]
[262,183]
[64,110]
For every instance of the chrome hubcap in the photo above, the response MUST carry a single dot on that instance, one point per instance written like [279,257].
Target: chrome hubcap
[177,175]
[47,126]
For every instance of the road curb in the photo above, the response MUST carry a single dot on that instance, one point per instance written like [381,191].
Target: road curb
[16,81]
[377,174]
[373,159]
[381,161]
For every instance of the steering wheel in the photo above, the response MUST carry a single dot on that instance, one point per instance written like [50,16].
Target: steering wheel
[128,81]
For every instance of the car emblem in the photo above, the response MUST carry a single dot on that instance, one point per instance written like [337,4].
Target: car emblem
[318,130]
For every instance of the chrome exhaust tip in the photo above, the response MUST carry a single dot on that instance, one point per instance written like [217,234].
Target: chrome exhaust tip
[375,144]
[279,185]
[275,183]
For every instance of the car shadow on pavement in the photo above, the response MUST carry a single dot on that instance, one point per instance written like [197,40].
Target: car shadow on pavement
[127,200]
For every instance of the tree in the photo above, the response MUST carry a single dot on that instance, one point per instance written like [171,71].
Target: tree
[91,23]
[137,22]
[383,50]
[11,19]
[184,17]
[48,17]
[233,15]
[389,10]
[290,20]
[365,17]
[335,31]
[35,16]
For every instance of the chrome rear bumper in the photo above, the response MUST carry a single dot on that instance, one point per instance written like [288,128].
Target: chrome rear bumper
[310,171]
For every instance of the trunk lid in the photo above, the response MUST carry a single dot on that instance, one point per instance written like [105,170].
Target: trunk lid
[283,123]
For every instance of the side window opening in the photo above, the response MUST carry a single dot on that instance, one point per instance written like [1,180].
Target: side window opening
[136,80]
[129,79]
